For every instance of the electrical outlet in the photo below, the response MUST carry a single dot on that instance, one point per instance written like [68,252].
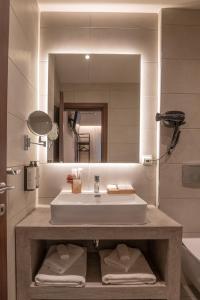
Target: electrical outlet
[147,160]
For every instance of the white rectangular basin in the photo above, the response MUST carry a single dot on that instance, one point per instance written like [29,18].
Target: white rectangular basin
[87,208]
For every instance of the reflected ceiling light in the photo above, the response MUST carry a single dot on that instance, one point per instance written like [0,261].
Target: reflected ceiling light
[87,56]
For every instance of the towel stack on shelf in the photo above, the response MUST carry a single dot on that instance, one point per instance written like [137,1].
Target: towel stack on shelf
[125,266]
[64,265]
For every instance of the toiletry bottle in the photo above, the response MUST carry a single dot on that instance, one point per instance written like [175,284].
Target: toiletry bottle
[76,186]
[76,182]
[30,177]
[96,184]
[36,165]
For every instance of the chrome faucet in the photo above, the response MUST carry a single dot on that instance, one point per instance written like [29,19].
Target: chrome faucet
[96,185]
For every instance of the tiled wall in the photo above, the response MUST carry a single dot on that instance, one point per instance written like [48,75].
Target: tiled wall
[22,99]
[180,90]
[105,33]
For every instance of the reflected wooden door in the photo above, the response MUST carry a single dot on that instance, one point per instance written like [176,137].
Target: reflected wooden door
[61,128]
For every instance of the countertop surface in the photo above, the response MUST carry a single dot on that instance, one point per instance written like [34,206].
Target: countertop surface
[40,218]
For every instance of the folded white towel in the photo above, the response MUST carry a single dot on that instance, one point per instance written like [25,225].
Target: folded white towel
[140,272]
[73,276]
[58,265]
[62,251]
[113,259]
[123,252]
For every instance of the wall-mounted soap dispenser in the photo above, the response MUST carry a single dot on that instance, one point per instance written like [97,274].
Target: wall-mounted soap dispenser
[31,176]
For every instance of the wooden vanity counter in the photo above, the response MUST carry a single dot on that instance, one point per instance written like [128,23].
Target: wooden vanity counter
[161,236]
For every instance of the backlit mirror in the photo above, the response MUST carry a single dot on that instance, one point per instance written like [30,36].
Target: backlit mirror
[95,100]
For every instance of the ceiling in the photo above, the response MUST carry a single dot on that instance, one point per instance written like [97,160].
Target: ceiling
[100,68]
[128,6]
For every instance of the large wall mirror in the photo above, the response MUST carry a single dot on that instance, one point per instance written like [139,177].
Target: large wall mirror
[95,100]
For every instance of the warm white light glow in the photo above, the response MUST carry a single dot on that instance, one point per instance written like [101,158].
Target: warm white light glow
[99,7]
[158,110]
[87,56]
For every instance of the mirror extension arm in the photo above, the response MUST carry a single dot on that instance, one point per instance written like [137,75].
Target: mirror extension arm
[27,142]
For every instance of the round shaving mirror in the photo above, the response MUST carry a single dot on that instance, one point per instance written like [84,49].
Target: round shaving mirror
[39,123]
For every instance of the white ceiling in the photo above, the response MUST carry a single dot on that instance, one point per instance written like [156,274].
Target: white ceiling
[149,6]
[101,68]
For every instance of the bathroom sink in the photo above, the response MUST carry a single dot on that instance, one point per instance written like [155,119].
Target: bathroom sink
[88,208]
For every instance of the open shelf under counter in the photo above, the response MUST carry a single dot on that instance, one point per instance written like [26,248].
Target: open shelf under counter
[159,240]
[94,289]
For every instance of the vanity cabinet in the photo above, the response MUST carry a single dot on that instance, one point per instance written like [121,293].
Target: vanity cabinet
[159,239]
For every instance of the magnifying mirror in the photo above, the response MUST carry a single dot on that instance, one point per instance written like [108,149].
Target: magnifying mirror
[53,134]
[39,123]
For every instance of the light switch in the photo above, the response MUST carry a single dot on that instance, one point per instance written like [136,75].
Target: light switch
[191,175]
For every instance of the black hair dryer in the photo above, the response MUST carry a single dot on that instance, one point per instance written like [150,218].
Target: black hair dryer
[172,119]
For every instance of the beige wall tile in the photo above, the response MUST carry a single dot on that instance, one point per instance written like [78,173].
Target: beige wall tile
[63,19]
[21,93]
[121,40]
[124,134]
[124,117]
[181,76]
[20,50]
[64,40]
[94,96]
[171,183]
[123,152]
[125,97]
[175,41]
[123,20]
[188,103]
[16,156]
[186,17]
[188,147]
[27,14]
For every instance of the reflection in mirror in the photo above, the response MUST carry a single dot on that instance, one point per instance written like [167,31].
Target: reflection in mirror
[96,103]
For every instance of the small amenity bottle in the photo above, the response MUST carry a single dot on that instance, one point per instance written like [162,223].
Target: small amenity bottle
[96,184]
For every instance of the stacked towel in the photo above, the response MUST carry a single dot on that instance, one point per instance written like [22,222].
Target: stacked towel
[122,257]
[139,271]
[56,271]
[123,253]
[56,261]
[63,251]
